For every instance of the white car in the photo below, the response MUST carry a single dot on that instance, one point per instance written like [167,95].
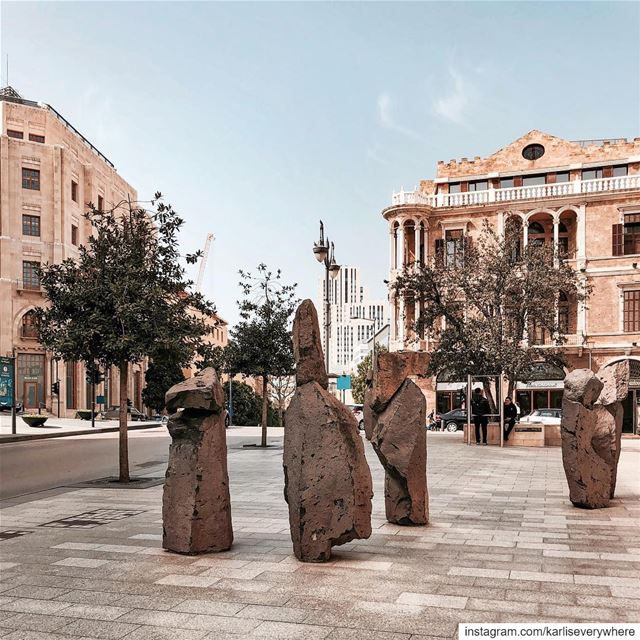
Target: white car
[544,416]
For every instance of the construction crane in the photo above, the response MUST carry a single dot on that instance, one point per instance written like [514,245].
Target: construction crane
[203,261]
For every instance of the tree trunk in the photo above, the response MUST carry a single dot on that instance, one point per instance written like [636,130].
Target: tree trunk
[510,390]
[265,410]
[124,443]
[486,384]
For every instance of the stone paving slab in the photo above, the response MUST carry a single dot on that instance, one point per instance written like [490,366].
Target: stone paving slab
[504,545]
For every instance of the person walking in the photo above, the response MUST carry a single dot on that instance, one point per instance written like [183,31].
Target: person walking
[480,410]
[510,414]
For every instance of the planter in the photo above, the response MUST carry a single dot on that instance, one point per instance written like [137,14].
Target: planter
[83,414]
[34,420]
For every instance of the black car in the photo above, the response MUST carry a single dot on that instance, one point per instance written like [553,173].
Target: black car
[454,420]
[6,406]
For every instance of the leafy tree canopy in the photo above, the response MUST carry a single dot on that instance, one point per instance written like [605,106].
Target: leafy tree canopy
[359,381]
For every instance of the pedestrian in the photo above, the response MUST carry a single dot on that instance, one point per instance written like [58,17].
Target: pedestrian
[510,414]
[480,410]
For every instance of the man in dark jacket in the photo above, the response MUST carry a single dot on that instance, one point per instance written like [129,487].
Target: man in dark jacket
[510,414]
[481,410]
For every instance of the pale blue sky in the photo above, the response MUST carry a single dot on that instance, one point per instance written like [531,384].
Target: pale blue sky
[257,119]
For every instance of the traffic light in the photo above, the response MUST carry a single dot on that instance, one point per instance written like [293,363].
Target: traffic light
[55,388]
[94,377]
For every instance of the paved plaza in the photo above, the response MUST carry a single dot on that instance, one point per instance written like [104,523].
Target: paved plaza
[504,545]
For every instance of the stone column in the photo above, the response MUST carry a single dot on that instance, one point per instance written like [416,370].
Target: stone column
[416,242]
[556,229]
[400,247]
[401,321]
[392,250]
[525,233]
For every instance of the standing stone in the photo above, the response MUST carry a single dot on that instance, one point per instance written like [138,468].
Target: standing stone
[399,437]
[327,480]
[196,508]
[615,379]
[588,441]
[392,370]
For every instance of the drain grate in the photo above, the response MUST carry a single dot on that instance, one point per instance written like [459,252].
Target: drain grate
[8,534]
[91,519]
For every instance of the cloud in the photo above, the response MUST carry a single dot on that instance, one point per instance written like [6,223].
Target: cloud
[453,107]
[387,120]
[373,153]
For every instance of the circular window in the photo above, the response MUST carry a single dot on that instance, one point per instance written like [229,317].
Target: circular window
[533,151]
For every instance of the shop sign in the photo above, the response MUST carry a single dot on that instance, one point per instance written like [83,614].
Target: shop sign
[7,381]
[541,384]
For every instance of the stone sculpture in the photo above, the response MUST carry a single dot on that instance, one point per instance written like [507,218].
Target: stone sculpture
[591,431]
[327,480]
[395,423]
[196,508]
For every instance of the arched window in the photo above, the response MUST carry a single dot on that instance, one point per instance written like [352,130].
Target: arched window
[29,329]
[535,227]
[563,313]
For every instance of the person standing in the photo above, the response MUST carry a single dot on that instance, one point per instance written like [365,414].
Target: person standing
[510,414]
[480,410]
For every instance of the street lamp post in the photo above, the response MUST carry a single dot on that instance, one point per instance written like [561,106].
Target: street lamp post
[324,252]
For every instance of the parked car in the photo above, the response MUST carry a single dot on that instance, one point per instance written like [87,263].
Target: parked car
[454,420]
[5,405]
[113,413]
[358,412]
[544,416]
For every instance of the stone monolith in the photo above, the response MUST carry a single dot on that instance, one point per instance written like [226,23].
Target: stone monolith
[196,508]
[588,441]
[327,480]
[395,424]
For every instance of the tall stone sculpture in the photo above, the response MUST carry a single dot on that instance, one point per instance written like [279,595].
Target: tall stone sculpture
[591,431]
[395,423]
[196,508]
[327,480]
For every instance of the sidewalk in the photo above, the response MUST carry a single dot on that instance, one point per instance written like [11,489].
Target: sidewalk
[60,427]
[503,545]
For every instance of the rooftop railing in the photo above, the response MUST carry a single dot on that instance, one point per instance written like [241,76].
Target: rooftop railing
[512,194]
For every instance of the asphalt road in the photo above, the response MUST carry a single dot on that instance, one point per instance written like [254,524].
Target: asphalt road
[28,467]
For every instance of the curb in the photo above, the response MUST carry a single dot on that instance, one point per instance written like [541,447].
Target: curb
[19,437]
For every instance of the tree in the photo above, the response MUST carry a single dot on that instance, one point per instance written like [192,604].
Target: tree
[490,304]
[281,390]
[359,381]
[261,342]
[162,373]
[125,297]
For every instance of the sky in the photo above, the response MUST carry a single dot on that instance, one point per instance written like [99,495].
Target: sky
[258,119]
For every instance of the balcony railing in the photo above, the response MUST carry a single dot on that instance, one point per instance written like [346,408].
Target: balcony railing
[26,285]
[570,340]
[511,194]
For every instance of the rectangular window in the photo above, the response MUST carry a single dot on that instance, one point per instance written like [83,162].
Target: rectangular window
[631,312]
[506,183]
[533,181]
[12,133]
[34,137]
[100,203]
[454,247]
[478,185]
[592,174]
[454,187]
[74,235]
[563,176]
[30,277]
[30,225]
[620,170]
[31,179]
[631,234]
[70,379]
[74,191]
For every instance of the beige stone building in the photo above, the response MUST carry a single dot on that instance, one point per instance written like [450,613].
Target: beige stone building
[48,172]
[583,197]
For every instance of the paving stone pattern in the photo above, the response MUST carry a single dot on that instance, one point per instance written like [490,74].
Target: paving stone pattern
[504,545]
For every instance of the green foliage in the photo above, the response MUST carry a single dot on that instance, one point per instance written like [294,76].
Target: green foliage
[125,297]
[247,405]
[484,311]
[162,373]
[359,381]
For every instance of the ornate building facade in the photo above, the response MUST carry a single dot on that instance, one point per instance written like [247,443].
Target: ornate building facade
[581,197]
[48,172]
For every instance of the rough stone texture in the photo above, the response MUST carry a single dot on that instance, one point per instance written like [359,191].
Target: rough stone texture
[399,437]
[392,370]
[202,392]
[307,348]
[196,508]
[327,480]
[582,385]
[615,380]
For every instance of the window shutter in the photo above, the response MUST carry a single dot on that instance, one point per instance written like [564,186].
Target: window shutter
[617,239]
